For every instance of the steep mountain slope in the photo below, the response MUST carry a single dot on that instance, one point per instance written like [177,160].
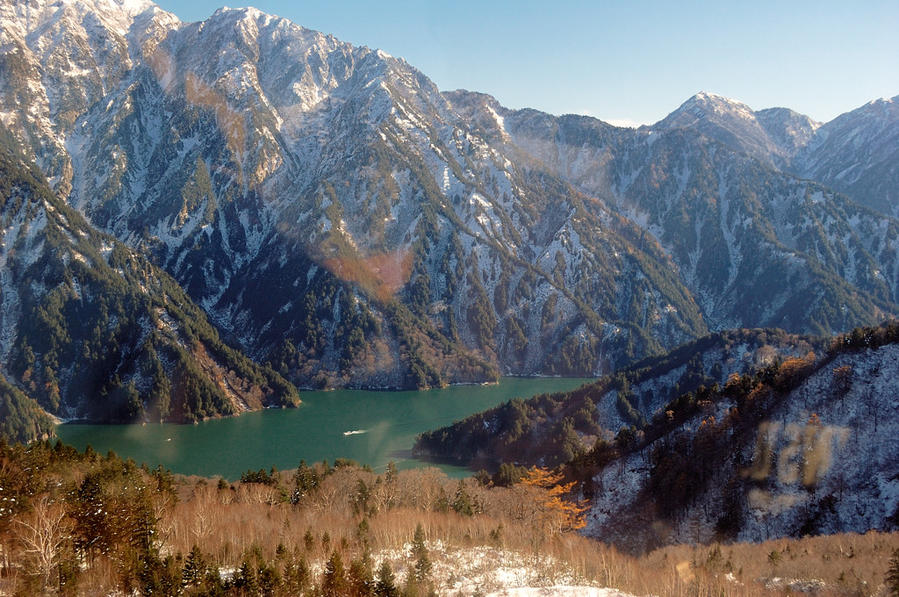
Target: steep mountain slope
[759,247]
[348,179]
[804,447]
[855,153]
[60,58]
[789,130]
[21,419]
[748,435]
[858,153]
[91,330]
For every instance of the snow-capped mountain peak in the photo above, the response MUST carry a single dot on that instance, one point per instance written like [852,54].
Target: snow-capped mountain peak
[705,105]
[769,135]
[115,15]
[883,101]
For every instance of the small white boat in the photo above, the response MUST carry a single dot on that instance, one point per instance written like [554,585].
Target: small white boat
[355,432]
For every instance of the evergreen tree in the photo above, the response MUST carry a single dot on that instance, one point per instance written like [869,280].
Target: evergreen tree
[422,569]
[269,579]
[361,581]
[159,577]
[386,585]
[462,502]
[194,569]
[305,480]
[296,576]
[246,579]
[334,583]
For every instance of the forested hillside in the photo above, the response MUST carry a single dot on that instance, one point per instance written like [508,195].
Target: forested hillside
[552,429]
[798,438]
[90,329]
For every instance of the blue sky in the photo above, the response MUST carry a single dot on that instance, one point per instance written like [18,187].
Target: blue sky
[624,61]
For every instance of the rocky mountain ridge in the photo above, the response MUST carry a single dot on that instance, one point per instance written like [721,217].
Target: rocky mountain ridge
[748,240]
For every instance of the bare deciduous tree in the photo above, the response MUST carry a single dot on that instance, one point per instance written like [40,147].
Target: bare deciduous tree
[42,535]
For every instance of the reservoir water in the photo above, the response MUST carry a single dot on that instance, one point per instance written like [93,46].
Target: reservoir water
[369,427]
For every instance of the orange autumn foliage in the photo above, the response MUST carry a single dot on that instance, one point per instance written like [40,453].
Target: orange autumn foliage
[380,274]
[562,514]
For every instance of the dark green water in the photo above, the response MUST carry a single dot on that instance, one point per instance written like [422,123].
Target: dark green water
[313,432]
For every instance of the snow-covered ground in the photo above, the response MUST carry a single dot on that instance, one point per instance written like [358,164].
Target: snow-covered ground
[494,571]
[558,591]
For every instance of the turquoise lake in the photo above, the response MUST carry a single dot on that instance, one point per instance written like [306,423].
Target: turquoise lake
[369,427]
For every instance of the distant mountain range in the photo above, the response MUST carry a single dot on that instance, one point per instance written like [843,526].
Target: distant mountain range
[342,222]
